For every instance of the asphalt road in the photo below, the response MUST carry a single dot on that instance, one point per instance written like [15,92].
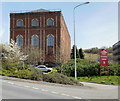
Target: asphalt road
[27,89]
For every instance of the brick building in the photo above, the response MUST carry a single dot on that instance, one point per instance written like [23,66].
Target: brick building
[43,30]
[116,52]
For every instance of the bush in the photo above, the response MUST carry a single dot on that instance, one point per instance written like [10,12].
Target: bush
[24,74]
[114,69]
[21,71]
[87,68]
[36,74]
[59,78]
[5,72]
[29,72]
[84,68]
[9,71]
[8,65]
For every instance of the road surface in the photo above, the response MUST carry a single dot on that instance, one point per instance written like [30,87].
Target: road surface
[28,89]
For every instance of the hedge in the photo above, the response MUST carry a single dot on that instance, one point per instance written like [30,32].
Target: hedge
[87,68]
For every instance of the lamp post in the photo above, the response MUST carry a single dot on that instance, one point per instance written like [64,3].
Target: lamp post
[75,35]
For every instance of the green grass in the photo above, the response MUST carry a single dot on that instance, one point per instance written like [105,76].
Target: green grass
[95,57]
[92,57]
[115,80]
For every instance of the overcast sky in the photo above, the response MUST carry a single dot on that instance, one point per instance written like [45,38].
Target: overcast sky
[96,23]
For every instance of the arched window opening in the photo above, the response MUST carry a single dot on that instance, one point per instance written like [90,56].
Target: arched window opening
[19,40]
[50,22]
[20,23]
[35,40]
[34,22]
[50,40]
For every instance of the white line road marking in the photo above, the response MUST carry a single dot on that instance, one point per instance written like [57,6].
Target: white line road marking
[65,94]
[54,92]
[27,86]
[10,83]
[2,81]
[76,97]
[44,90]
[35,88]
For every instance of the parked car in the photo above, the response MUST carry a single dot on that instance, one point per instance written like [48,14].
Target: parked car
[44,68]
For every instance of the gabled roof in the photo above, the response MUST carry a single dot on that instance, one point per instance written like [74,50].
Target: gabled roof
[40,10]
[35,11]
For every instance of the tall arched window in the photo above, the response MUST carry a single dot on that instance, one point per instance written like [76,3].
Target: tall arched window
[35,22]
[19,40]
[50,40]
[50,22]
[35,40]
[19,23]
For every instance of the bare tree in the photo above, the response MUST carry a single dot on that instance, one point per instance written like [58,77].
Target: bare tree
[61,56]
[34,55]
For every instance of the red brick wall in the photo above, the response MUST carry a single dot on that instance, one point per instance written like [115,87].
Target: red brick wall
[65,41]
[59,31]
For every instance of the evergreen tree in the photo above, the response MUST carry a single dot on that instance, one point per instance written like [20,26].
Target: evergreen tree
[81,53]
[72,54]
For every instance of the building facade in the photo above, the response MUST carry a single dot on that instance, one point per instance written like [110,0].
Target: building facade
[44,31]
[116,52]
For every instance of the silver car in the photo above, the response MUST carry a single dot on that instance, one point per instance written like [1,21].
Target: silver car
[44,68]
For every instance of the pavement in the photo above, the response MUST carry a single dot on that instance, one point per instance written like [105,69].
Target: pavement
[99,86]
[14,88]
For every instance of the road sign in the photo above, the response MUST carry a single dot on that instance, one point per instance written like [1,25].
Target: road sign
[103,57]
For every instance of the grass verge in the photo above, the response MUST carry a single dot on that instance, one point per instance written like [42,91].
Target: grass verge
[114,80]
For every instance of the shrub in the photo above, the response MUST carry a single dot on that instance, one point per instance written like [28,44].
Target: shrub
[87,68]
[5,72]
[24,74]
[84,68]
[9,71]
[28,72]
[36,74]
[114,69]
[59,78]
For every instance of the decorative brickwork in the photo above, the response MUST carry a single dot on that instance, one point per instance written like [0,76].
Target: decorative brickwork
[57,53]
